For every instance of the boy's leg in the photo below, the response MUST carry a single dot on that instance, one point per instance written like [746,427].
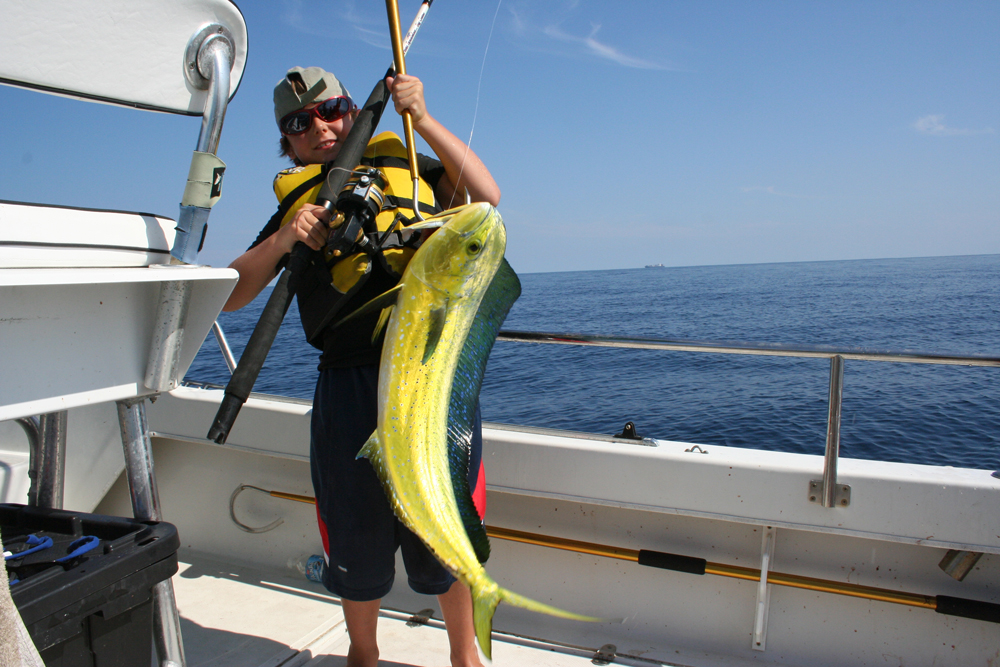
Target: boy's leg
[362,625]
[456,607]
[356,523]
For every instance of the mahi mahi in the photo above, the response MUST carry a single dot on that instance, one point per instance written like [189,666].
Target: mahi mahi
[447,309]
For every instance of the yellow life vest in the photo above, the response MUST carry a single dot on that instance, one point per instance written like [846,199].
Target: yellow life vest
[387,153]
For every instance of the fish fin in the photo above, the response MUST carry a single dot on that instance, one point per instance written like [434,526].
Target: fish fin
[459,463]
[383,319]
[512,598]
[383,300]
[487,595]
[497,300]
[433,223]
[484,604]
[503,291]
[370,449]
[437,317]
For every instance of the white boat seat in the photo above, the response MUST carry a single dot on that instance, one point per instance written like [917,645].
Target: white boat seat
[42,236]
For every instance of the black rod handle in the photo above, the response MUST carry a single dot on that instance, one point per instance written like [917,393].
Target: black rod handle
[241,383]
[252,360]
[674,562]
[238,390]
[976,609]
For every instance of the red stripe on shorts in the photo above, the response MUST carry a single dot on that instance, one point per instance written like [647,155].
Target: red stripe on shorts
[479,493]
[322,534]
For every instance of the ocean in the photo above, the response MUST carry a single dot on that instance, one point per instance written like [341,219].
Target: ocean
[916,413]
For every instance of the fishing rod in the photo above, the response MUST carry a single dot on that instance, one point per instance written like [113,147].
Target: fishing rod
[252,360]
[942,604]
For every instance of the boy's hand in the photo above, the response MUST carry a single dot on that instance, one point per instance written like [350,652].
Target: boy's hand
[408,93]
[309,226]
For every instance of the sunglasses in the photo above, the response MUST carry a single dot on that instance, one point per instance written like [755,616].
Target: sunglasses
[330,110]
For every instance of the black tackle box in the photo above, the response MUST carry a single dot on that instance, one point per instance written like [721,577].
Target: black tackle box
[84,584]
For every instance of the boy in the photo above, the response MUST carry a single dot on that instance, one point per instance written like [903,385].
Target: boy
[360,533]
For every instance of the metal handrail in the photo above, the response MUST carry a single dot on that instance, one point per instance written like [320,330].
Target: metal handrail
[227,352]
[826,491]
[829,494]
[760,349]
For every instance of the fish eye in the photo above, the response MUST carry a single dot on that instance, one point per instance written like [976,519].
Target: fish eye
[474,247]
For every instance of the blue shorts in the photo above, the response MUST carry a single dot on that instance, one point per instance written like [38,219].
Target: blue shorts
[359,530]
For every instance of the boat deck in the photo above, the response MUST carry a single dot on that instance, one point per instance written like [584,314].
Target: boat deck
[239,616]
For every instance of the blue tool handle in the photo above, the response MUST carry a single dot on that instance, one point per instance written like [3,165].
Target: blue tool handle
[80,547]
[36,543]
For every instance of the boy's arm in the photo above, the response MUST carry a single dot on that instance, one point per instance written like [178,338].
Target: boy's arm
[258,265]
[408,93]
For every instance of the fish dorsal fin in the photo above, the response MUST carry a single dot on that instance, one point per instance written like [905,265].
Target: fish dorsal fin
[437,318]
[503,291]
[459,464]
[382,301]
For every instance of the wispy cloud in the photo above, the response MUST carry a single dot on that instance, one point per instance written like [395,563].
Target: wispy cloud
[366,26]
[602,50]
[769,190]
[531,32]
[934,124]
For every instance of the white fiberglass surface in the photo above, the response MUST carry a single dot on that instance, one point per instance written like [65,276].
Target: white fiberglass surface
[73,337]
[129,52]
[34,236]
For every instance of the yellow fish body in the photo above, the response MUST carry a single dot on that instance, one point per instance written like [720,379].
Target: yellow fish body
[437,302]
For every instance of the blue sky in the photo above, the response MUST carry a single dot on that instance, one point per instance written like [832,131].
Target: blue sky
[621,134]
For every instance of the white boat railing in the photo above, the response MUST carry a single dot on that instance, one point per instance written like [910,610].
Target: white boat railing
[825,491]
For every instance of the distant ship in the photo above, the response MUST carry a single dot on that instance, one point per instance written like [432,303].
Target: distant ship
[655,266]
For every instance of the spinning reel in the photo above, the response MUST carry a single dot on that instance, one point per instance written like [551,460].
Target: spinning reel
[358,203]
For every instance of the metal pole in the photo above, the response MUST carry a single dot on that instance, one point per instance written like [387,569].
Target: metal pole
[146,507]
[139,460]
[215,62]
[50,464]
[32,429]
[227,352]
[212,60]
[167,626]
[762,349]
[833,432]
[168,336]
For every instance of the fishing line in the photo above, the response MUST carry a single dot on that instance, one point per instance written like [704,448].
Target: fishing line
[479,87]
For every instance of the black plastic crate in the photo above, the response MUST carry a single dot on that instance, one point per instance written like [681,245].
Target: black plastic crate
[92,609]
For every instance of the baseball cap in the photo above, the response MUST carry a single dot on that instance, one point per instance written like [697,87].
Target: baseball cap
[301,86]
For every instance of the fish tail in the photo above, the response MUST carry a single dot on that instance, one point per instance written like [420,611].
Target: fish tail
[485,599]
[513,598]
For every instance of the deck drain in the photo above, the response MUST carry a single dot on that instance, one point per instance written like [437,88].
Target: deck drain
[605,655]
[420,618]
